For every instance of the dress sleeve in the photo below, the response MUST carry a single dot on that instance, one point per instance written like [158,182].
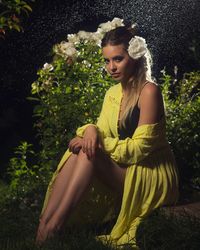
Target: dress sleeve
[101,124]
[135,149]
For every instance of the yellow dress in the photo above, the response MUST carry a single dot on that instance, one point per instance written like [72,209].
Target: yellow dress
[151,178]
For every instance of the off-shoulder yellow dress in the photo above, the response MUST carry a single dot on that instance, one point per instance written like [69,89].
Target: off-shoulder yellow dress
[151,178]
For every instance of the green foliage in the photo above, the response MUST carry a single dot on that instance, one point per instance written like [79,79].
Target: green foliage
[11,13]
[182,103]
[24,171]
[70,93]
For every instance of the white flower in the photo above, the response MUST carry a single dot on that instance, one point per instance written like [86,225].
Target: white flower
[48,67]
[117,22]
[65,49]
[163,71]
[97,37]
[88,36]
[87,63]
[175,69]
[110,25]
[137,47]
[134,25]
[84,35]
[73,38]
[47,83]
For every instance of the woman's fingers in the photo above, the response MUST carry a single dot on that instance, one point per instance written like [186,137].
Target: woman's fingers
[74,144]
[76,147]
[71,144]
[89,147]
[93,149]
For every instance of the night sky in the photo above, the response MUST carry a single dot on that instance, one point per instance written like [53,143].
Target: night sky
[170,28]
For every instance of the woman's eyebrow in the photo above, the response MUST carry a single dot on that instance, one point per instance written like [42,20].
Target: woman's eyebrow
[118,56]
[114,57]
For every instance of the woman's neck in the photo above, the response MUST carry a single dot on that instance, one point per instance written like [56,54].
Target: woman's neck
[127,86]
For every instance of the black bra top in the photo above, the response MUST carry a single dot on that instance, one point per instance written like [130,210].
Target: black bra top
[131,124]
[131,121]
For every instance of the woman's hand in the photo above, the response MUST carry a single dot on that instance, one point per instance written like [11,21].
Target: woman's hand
[90,141]
[75,145]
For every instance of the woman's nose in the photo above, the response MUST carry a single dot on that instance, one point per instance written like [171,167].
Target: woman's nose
[113,66]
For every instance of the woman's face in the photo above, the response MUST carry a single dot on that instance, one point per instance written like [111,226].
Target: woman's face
[118,62]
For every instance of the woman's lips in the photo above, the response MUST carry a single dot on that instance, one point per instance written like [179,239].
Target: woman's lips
[115,74]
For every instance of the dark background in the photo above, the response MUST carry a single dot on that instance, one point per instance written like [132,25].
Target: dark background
[170,28]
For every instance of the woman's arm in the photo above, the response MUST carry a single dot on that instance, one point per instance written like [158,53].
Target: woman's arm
[102,122]
[150,104]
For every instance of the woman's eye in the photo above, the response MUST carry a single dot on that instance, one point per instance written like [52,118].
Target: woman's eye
[118,59]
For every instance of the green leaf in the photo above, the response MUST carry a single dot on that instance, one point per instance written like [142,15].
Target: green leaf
[27,7]
[16,27]
[32,98]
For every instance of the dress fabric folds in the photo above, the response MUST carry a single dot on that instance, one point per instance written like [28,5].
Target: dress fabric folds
[151,178]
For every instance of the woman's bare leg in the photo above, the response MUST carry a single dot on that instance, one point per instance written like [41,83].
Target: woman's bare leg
[109,172]
[81,179]
[79,182]
[83,171]
[59,187]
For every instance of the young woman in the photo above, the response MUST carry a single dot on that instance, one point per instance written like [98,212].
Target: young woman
[127,148]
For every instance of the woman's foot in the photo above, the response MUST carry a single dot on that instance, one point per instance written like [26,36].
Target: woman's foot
[41,234]
[46,231]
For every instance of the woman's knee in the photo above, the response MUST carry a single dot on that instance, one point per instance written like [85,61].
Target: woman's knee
[84,158]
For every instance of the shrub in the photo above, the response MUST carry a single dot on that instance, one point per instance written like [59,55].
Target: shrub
[70,92]
[182,104]
[25,172]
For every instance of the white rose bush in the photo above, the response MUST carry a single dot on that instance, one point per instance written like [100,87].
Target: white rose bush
[70,89]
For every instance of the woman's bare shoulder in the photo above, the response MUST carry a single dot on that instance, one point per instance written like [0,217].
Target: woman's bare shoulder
[150,88]
[150,104]
[151,92]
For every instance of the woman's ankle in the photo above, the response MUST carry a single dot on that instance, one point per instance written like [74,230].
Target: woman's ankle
[44,220]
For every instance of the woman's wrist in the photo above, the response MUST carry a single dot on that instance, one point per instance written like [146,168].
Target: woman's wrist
[91,126]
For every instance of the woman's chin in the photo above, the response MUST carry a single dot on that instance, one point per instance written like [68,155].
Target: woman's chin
[117,78]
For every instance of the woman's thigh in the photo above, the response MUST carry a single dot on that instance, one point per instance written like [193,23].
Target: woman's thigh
[109,172]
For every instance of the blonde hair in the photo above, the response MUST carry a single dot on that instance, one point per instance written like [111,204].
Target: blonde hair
[142,75]
[142,67]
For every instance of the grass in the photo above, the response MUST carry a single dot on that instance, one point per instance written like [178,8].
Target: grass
[169,231]
[19,220]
